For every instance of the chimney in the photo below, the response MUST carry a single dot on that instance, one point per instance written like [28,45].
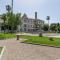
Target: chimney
[36,15]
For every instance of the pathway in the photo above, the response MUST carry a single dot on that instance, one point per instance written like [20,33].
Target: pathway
[15,50]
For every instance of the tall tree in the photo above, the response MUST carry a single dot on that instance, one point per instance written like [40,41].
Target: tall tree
[4,19]
[11,21]
[53,27]
[14,20]
[58,27]
[45,27]
[18,18]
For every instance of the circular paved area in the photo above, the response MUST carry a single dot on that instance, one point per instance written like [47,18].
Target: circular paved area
[15,50]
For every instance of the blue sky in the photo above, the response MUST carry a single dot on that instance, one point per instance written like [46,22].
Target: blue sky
[43,7]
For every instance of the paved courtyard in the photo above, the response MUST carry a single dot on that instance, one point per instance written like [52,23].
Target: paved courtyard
[15,50]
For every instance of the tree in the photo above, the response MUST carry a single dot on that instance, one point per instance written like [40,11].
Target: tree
[58,27]
[18,18]
[53,27]
[4,19]
[45,27]
[14,20]
[11,21]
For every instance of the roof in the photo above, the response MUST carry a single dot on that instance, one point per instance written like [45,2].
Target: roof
[24,16]
[34,19]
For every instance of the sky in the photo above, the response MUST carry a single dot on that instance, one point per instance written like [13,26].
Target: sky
[43,8]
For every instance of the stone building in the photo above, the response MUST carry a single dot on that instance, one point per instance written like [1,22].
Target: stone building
[1,21]
[28,23]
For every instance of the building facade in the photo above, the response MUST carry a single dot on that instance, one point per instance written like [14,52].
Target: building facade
[28,24]
[1,21]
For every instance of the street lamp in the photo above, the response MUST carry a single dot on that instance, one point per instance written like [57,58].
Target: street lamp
[8,8]
[48,18]
[12,6]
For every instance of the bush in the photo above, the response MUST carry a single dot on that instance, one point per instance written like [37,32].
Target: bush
[51,39]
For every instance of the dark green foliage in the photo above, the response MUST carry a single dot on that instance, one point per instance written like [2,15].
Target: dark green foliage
[55,27]
[11,21]
[45,27]
[51,39]
[4,23]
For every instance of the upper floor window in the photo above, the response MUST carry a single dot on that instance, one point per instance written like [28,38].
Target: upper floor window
[25,25]
[31,21]
[24,29]
[39,22]
[25,20]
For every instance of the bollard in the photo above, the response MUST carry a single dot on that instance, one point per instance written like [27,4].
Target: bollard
[17,37]
[40,34]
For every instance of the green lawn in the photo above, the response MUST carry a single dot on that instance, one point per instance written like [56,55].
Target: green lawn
[41,40]
[1,49]
[3,36]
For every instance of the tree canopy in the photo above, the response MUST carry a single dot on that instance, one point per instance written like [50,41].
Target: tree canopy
[11,20]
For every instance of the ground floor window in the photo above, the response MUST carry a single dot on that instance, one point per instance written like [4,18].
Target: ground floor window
[24,29]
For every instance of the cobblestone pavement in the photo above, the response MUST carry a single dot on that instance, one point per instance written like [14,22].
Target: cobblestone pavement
[15,50]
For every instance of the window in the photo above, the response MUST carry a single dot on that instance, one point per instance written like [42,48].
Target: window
[25,20]
[25,25]
[24,29]
[28,20]
[28,29]
[31,21]
[31,26]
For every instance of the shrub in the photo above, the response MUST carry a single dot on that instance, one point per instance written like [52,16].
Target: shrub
[51,39]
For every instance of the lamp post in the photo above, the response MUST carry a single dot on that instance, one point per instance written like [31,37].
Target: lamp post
[8,8]
[12,6]
[12,13]
[48,18]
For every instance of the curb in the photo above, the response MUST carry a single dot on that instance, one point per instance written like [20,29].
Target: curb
[2,52]
[42,44]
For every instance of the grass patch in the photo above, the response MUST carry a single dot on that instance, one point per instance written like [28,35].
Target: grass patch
[41,40]
[1,49]
[4,36]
